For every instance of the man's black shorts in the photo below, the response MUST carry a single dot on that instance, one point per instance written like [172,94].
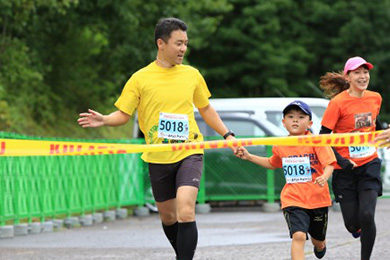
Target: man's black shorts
[347,185]
[167,178]
[312,221]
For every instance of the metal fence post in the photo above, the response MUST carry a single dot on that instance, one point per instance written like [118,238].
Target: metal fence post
[270,180]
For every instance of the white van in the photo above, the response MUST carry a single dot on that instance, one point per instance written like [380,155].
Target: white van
[270,109]
[243,124]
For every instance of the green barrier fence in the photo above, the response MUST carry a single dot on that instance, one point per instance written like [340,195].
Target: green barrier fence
[227,177]
[37,188]
[45,187]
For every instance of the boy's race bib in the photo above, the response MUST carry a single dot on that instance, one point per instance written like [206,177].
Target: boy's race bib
[297,169]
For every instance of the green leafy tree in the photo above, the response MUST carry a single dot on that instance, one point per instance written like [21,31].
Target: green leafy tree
[24,97]
[60,58]
[282,47]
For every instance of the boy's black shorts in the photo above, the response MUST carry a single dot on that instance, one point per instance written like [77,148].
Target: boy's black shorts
[312,221]
[167,178]
[347,185]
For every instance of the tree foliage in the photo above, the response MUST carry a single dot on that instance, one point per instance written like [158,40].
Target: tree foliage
[59,58]
[282,47]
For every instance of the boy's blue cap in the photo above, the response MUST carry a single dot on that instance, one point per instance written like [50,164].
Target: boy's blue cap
[301,105]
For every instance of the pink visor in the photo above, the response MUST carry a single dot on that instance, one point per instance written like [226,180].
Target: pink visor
[356,62]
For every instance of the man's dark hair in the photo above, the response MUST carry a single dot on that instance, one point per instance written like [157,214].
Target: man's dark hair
[165,26]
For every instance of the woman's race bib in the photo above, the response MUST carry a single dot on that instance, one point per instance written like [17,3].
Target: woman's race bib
[361,151]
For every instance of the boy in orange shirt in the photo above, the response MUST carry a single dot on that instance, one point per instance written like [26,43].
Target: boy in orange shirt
[305,197]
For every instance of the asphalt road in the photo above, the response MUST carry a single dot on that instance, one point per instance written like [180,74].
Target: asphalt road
[228,235]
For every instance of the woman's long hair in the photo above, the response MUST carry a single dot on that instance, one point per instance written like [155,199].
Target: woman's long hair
[333,83]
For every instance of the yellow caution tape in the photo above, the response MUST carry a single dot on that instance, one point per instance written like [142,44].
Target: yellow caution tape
[16,147]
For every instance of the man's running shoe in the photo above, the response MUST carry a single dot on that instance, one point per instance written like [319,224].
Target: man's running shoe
[319,254]
[357,233]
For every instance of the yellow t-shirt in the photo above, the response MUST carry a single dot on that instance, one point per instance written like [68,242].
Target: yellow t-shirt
[155,90]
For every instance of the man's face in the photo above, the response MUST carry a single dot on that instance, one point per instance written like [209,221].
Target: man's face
[173,51]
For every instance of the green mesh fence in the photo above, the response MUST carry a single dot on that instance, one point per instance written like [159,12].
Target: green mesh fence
[227,177]
[43,187]
[46,186]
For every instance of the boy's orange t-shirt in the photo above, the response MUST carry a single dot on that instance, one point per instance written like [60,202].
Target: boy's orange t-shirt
[305,194]
[347,114]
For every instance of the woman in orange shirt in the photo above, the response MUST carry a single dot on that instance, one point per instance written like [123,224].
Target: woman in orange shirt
[305,197]
[356,179]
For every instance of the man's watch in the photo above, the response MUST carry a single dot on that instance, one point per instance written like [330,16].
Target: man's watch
[230,132]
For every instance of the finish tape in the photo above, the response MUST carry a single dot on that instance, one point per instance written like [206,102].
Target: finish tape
[17,147]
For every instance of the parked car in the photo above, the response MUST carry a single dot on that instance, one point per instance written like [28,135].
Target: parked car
[263,110]
[244,123]
[270,109]
[263,117]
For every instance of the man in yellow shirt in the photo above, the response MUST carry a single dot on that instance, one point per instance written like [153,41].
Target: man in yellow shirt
[165,92]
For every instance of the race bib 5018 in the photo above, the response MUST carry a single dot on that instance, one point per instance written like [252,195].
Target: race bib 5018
[173,126]
[297,169]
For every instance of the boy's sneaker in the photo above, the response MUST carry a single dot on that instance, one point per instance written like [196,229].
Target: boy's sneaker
[357,233]
[319,254]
